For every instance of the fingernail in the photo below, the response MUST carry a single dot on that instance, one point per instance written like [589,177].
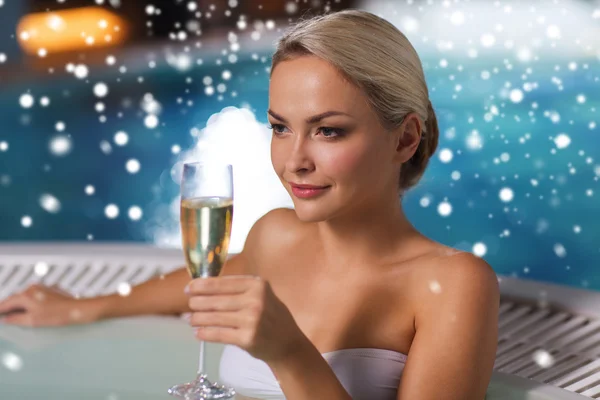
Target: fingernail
[186,290]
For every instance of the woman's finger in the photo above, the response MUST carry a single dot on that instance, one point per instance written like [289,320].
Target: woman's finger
[217,285]
[14,302]
[219,335]
[216,303]
[214,319]
[20,319]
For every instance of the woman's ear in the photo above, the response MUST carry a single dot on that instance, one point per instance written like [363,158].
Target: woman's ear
[408,137]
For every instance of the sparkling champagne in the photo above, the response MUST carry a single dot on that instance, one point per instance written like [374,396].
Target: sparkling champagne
[206,228]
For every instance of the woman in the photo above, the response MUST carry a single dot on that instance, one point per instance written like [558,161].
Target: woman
[342,297]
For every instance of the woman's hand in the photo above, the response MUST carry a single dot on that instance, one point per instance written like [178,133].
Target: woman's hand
[46,306]
[243,310]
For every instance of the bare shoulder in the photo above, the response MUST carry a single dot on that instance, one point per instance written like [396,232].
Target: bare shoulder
[454,279]
[272,237]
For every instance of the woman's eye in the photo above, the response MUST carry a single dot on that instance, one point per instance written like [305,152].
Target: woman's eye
[331,132]
[277,128]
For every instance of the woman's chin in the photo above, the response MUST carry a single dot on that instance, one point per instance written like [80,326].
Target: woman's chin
[310,213]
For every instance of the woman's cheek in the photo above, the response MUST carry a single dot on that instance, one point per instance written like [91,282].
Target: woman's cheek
[342,162]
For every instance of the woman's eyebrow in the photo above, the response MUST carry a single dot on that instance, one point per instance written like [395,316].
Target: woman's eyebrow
[310,120]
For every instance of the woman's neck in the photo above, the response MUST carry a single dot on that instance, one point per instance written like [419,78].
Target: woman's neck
[370,235]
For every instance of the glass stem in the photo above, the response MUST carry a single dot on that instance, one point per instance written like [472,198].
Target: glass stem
[201,363]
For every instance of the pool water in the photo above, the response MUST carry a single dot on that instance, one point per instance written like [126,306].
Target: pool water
[518,197]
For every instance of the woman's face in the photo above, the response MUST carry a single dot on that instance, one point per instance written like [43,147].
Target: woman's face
[325,134]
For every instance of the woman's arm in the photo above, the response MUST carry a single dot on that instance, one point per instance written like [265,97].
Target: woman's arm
[45,306]
[456,318]
[160,295]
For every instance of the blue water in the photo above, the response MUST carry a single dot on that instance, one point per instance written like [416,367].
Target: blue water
[539,219]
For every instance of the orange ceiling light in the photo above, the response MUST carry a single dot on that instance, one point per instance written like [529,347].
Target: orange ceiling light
[69,30]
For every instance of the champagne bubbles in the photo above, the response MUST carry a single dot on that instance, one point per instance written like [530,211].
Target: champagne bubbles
[45,101]
[3,146]
[226,75]
[175,149]
[2,58]
[543,358]
[60,145]
[479,249]
[111,60]
[150,9]
[445,156]
[50,203]
[60,126]
[100,89]
[26,221]
[506,194]
[90,190]
[425,201]
[41,268]
[135,213]
[124,289]
[444,209]
[12,362]
[121,138]
[26,100]
[111,211]
[151,121]
[562,141]
[132,166]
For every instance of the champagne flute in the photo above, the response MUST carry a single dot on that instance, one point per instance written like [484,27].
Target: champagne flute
[206,215]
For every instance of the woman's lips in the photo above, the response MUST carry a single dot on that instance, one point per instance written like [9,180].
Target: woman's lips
[306,193]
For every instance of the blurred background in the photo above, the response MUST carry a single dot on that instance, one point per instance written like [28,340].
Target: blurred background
[102,100]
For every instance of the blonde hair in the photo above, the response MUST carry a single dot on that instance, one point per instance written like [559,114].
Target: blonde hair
[376,57]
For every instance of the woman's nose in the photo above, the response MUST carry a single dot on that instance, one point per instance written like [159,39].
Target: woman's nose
[299,158]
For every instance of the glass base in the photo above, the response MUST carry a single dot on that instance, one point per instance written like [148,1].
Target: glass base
[201,388]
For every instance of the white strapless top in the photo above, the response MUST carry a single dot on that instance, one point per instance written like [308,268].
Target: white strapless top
[365,373]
